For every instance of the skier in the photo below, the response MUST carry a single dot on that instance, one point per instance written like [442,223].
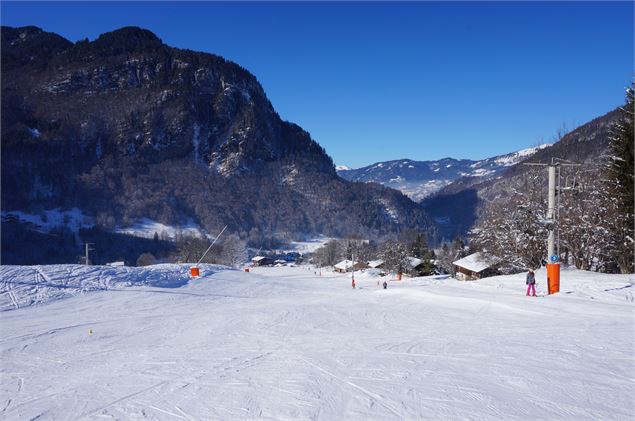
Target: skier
[531,283]
[353,283]
[385,284]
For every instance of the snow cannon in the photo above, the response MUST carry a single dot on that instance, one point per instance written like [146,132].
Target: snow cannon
[553,278]
[246,269]
[194,271]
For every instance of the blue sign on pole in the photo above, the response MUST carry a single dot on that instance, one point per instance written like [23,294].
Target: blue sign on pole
[553,258]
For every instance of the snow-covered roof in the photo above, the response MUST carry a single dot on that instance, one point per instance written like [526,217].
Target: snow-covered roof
[258,258]
[116,264]
[345,264]
[475,262]
[375,263]
[413,262]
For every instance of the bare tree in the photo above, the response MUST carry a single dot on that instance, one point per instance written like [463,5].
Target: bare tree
[329,254]
[234,251]
[512,227]
[146,259]
[394,254]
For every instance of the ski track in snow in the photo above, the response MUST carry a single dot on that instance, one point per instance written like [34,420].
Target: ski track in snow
[95,342]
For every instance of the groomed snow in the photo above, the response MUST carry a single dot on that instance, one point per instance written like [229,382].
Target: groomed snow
[285,343]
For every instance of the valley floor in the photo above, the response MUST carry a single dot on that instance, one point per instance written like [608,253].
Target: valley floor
[285,343]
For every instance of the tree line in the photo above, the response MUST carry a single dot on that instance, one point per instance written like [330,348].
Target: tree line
[396,253]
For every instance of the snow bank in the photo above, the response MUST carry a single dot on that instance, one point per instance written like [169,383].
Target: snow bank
[23,286]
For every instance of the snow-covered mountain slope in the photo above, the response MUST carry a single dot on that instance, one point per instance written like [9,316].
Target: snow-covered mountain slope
[146,228]
[419,179]
[47,220]
[285,343]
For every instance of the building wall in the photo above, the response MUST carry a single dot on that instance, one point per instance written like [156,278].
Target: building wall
[463,274]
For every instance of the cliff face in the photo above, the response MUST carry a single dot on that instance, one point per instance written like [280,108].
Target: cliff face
[127,94]
[127,127]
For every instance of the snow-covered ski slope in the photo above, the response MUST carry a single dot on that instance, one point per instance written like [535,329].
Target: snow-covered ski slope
[90,343]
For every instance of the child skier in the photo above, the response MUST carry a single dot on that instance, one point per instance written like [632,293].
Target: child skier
[531,283]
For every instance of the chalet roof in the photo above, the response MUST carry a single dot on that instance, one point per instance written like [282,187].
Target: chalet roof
[476,262]
[413,262]
[375,263]
[258,258]
[345,264]
[116,264]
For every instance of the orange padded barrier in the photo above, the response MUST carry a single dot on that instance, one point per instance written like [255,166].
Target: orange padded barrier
[553,278]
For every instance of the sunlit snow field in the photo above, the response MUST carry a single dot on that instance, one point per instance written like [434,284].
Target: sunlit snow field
[285,343]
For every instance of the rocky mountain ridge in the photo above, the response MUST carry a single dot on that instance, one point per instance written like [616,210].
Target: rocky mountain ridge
[125,127]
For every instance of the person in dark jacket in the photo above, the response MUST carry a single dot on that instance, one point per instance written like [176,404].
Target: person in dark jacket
[531,283]
[385,284]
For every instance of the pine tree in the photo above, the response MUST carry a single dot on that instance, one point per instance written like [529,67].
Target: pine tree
[619,185]
[445,259]
[419,247]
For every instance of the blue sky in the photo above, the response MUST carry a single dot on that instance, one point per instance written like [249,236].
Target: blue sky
[379,81]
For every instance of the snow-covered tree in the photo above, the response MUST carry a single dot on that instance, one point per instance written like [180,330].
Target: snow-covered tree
[445,257]
[619,185]
[512,227]
[394,254]
[329,254]
[233,252]
[582,227]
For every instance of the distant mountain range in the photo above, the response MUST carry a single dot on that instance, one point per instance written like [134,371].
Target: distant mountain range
[420,179]
[452,191]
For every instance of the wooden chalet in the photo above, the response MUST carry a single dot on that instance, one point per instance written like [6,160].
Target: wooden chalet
[348,265]
[475,266]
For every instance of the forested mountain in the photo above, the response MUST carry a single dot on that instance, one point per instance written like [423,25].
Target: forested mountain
[457,206]
[125,127]
[420,179]
[594,208]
